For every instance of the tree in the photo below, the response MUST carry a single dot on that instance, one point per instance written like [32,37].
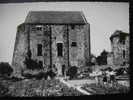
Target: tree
[102,59]
[91,60]
[5,69]
[31,63]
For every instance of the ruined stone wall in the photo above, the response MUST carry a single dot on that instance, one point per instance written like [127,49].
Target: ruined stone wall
[77,53]
[118,48]
[110,59]
[73,50]
[87,44]
[20,49]
[127,50]
[21,46]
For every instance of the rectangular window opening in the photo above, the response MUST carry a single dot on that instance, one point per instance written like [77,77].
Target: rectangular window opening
[59,49]
[74,44]
[39,28]
[123,53]
[39,49]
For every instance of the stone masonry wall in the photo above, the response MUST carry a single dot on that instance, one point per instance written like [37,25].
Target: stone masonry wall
[20,49]
[127,48]
[118,48]
[59,35]
[78,54]
[40,37]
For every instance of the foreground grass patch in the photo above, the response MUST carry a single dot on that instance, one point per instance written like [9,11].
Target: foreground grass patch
[106,89]
[31,87]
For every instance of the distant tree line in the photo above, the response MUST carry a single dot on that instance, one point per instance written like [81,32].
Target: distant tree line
[100,60]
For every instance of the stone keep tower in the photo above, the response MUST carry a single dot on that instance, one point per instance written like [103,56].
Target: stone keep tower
[53,37]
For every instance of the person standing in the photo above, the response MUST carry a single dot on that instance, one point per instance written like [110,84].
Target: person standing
[54,69]
[104,78]
[63,70]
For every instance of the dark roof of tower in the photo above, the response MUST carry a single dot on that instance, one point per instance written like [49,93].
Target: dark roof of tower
[118,33]
[56,17]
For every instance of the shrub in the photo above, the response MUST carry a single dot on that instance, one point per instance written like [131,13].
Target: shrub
[89,70]
[119,71]
[39,74]
[72,72]
[102,58]
[5,69]
[108,69]
[3,90]
[32,74]
[51,74]
[127,70]
[32,64]
[14,79]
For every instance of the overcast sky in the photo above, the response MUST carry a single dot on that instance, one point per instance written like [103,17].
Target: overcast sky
[104,19]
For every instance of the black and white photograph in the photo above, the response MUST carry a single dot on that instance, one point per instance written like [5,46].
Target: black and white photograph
[55,49]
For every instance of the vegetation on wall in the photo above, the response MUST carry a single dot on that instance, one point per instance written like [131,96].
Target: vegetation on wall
[30,63]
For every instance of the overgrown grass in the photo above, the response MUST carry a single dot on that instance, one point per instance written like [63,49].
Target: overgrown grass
[4,84]
[106,89]
[32,87]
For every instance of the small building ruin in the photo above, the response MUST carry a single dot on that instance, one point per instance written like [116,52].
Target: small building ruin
[120,48]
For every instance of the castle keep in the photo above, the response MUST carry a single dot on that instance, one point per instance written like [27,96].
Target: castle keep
[53,38]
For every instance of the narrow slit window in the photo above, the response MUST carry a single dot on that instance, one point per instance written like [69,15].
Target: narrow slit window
[39,49]
[59,49]
[123,53]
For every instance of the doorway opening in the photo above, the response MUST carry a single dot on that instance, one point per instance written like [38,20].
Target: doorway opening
[59,49]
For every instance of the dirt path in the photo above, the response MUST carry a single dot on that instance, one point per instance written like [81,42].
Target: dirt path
[77,84]
[80,82]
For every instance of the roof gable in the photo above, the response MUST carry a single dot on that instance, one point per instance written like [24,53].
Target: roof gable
[56,17]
